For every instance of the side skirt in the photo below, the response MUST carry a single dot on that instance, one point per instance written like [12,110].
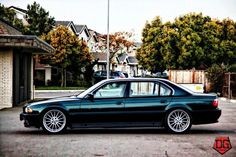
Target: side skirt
[117,124]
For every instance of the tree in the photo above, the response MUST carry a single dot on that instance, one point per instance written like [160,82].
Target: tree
[150,54]
[10,16]
[191,41]
[120,42]
[70,52]
[39,20]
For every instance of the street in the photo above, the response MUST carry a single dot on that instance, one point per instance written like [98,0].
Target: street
[16,140]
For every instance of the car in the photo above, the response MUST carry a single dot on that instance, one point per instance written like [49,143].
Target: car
[128,102]
[102,74]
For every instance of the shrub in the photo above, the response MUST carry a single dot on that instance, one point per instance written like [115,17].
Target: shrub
[215,75]
[232,68]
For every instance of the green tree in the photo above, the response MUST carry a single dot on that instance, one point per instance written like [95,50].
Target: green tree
[39,20]
[191,41]
[10,16]
[150,54]
[215,74]
[70,52]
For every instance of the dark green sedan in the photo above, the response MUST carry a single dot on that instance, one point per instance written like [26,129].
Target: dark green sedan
[136,102]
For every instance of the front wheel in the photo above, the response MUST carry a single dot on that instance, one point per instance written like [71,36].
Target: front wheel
[54,121]
[178,121]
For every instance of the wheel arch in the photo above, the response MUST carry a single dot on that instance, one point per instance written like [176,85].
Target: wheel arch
[178,106]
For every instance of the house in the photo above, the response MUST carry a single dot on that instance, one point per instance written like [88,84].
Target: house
[101,59]
[93,40]
[124,60]
[20,14]
[69,24]
[81,31]
[128,64]
[16,64]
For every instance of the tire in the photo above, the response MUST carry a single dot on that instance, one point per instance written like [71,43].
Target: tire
[178,121]
[54,121]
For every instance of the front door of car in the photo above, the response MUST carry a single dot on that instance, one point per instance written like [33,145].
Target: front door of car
[106,104]
[147,101]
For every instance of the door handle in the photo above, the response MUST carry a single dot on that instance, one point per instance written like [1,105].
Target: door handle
[163,101]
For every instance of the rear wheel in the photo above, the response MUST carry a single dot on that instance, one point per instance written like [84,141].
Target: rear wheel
[178,121]
[54,121]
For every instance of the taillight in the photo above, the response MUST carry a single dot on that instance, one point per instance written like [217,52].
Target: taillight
[215,103]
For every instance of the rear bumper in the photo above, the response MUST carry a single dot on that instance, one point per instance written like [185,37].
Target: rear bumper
[30,119]
[206,117]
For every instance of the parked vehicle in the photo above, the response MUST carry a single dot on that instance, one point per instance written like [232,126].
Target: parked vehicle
[136,102]
[101,75]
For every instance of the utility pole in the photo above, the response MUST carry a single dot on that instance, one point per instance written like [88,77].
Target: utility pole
[108,52]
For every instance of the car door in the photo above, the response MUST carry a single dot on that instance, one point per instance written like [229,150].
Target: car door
[107,104]
[146,101]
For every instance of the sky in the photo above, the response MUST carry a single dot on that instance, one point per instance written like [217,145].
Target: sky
[128,15]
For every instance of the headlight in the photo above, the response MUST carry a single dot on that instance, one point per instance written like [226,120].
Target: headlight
[28,110]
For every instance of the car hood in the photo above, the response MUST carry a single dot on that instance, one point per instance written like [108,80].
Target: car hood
[54,100]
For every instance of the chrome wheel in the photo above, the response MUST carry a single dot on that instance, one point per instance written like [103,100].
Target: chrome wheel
[54,121]
[178,121]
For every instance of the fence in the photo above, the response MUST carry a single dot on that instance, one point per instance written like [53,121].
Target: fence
[229,86]
[187,76]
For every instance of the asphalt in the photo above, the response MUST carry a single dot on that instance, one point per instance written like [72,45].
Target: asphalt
[18,141]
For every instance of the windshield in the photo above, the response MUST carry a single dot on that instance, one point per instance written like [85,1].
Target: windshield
[90,89]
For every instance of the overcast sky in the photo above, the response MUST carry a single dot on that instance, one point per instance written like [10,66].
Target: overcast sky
[128,15]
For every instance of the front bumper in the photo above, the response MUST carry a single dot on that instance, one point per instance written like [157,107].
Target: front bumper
[206,117]
[30,119]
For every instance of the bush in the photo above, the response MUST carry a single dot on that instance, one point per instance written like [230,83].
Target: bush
[232,68]
[215,75]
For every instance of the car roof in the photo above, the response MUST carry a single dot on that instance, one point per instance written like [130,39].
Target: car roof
[134,79]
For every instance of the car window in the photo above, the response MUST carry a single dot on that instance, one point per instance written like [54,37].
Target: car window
[164,91]
[144,89]
[111,90]
[114,74]
[104,73]
[97,73]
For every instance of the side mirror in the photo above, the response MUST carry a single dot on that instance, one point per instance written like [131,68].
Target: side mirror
[90,96]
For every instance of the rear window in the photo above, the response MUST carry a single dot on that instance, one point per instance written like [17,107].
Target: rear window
[149,89]
[178,91]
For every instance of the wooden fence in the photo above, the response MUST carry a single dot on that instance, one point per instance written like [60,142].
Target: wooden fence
[229,86]
[188,76]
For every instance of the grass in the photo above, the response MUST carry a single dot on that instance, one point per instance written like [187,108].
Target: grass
[59,88]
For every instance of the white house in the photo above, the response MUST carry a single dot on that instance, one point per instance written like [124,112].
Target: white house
[20,14]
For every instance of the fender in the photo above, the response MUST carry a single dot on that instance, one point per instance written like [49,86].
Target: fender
[174,106]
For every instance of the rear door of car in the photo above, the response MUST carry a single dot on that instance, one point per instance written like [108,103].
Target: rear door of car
[146,101]
[106,106]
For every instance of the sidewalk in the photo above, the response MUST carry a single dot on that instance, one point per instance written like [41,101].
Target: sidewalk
[55,93]
[228,100]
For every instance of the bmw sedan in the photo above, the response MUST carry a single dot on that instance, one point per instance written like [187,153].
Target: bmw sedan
[136,102]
